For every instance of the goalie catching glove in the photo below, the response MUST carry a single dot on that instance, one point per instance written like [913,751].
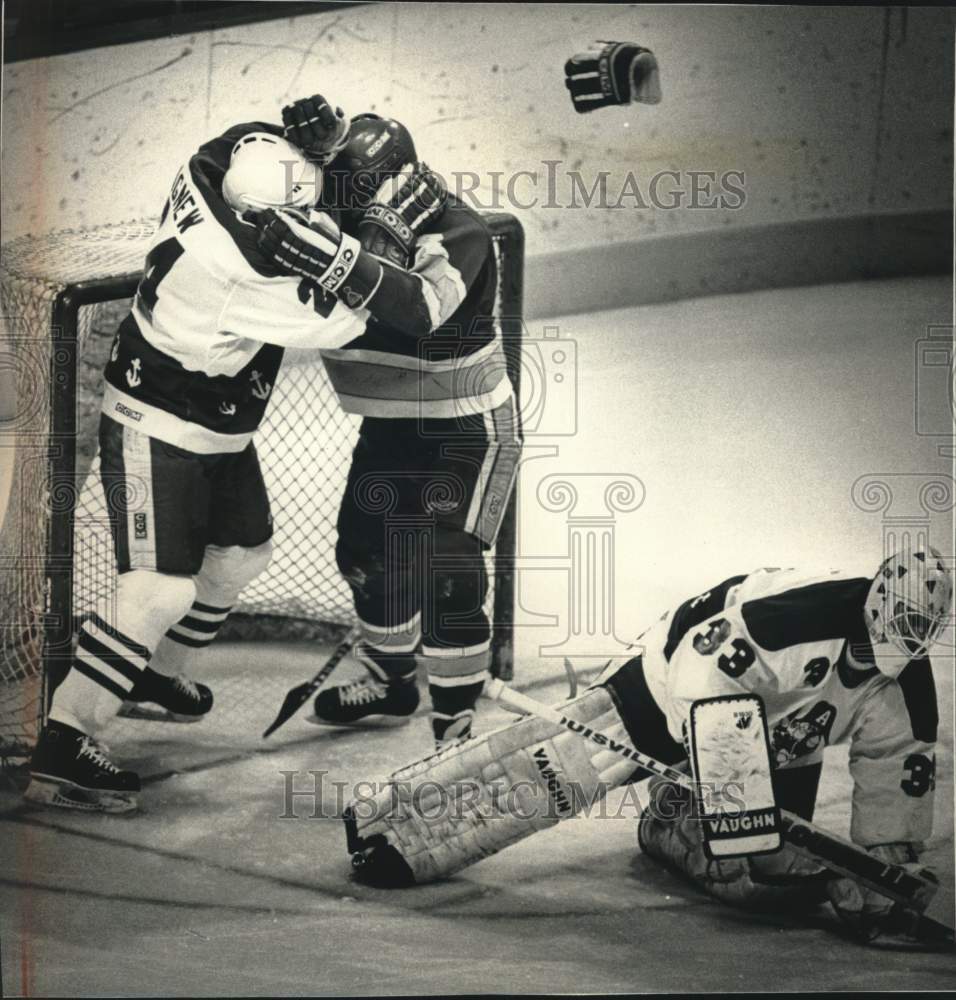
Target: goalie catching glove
[403,205]
[314,247]
[612,73]
[873,918]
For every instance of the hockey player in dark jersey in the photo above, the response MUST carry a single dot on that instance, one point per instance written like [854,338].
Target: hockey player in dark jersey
[438,449]
[187,383]
[836,658]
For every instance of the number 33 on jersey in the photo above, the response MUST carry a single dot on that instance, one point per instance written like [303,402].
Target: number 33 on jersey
[789,638]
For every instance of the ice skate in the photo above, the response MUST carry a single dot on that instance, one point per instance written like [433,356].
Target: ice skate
[70,770]
[165,698]
[366,702]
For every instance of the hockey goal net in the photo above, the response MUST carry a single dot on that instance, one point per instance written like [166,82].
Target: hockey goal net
[62,297]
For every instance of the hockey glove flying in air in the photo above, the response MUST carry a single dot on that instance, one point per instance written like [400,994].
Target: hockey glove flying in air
[315,248]
[612,73]
[403,205]
[318,130]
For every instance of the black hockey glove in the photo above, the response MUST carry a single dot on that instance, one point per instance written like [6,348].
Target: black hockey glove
[313,247]
[318,130]
[612,73]
[403,206]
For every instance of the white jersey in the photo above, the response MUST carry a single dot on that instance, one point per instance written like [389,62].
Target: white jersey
[783,635]
[195,362]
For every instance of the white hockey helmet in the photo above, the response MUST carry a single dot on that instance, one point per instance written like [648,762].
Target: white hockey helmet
[907,606]
[265,171]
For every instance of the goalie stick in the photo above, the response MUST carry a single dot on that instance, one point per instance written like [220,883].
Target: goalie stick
[301,693]
[835,853]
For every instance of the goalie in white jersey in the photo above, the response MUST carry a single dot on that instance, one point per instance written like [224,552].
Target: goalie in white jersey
[836,658]
[187,384]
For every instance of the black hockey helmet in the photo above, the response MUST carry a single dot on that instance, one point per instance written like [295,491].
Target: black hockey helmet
[377,149]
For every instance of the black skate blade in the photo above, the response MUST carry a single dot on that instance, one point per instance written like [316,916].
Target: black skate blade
[369,722]
[151,712]
[46,790]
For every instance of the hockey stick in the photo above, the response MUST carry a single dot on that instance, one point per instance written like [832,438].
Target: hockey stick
[572,678]
[836,854]
[301,693]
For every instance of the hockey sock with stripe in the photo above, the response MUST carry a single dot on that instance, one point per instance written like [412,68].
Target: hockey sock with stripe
[104,670]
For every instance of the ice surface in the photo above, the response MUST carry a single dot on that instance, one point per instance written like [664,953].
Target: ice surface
[747,418]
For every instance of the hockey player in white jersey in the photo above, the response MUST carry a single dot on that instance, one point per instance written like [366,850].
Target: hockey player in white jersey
[187,383]
[828,674]
[836,658]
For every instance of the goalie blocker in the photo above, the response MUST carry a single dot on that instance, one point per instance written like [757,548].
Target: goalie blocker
[730,757]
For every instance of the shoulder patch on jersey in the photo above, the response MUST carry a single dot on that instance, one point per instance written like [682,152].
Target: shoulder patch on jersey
[814,613]
[696,610]
[799,735]
[919,693]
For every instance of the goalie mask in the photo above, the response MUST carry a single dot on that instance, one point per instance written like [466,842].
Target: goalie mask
[265,171]
[377,149]
[907,606]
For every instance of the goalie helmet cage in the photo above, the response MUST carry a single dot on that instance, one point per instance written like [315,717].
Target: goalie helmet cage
[63,295]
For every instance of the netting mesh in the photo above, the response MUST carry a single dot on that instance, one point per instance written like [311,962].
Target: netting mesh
[304,446]
[32,275]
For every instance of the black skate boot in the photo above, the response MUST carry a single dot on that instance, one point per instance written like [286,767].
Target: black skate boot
[451,729]
[167,698]
[366,702]
[71,770]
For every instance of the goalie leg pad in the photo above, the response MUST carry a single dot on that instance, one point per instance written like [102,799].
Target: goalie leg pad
[669,831]
[440,814]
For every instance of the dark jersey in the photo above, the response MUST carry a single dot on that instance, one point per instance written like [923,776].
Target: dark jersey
[456,368]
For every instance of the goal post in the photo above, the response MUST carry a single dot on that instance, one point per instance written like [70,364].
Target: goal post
[63,296]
